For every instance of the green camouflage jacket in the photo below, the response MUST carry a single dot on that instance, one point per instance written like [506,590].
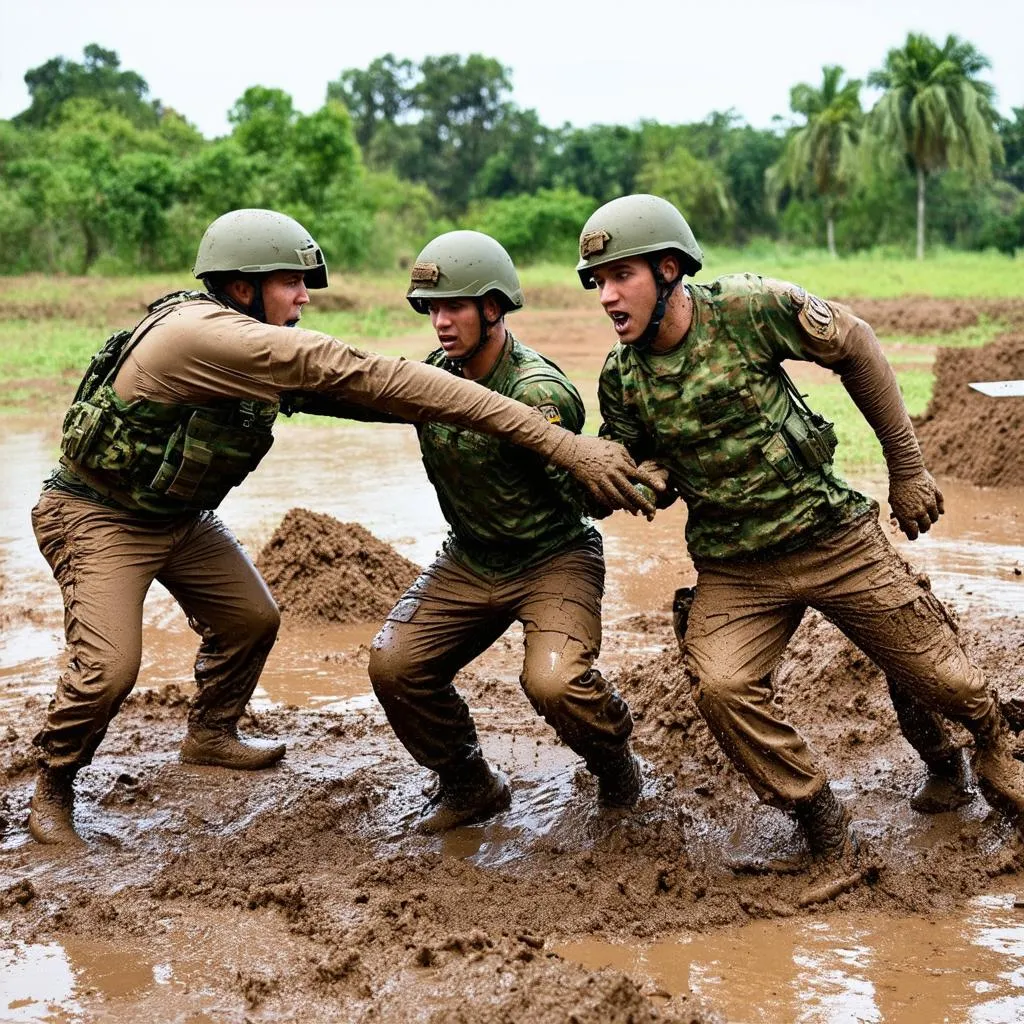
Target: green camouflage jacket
[506,507]
[714,413]
[152,457]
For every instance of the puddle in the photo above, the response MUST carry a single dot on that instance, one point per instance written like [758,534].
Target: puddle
[863,967]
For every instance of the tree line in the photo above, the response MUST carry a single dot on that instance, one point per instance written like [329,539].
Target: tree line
[97,175]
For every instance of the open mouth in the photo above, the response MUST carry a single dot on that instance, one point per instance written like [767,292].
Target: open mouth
[620,321]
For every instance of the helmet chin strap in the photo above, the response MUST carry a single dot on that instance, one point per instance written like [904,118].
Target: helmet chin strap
[255,309]
[459,362]
[665,290]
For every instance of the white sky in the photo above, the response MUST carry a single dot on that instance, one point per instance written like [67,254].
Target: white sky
[588,61]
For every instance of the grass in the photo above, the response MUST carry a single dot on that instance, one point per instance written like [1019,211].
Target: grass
[942,274]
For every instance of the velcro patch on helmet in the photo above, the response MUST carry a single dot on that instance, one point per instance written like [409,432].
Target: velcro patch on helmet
[551,413]
[309,257]
[815,315]
[593,243]
[425,273]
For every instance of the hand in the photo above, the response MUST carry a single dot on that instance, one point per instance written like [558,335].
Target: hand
[916,503]
[607,471]
[667,495]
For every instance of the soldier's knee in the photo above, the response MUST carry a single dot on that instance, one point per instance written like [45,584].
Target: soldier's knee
[545,688]
[388,671]
[104,680]
[263,621]
[714,690]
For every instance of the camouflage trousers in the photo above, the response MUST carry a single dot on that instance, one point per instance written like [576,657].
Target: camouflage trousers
[745,612]
[105,561]
[451,614]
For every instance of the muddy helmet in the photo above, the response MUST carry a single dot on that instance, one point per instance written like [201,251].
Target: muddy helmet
[464,264]
[638,225]
[257,242]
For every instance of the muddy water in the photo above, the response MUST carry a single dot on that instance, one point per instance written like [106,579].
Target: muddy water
[851,967]
[372,475]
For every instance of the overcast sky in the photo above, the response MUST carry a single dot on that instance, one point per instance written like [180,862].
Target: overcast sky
[588,61]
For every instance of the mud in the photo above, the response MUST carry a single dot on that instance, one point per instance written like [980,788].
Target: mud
[302,893]
[969,435]
[922,314]
[322,570]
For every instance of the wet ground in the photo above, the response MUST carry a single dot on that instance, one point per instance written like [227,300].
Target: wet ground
[302,894]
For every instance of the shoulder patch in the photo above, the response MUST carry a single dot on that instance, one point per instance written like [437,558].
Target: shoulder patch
[815,315]
[551,413]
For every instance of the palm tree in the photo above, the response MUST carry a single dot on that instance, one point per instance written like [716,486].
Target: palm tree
[821,155]
[935,112]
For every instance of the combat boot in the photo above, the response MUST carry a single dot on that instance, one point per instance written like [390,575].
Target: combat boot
[827,827]
[50,817]
[224,748]
[469,794]
[619,781]
[947,787]
[1000,775]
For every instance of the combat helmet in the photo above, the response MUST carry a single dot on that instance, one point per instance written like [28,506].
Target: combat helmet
[252,242]
[464,264]
[639,225]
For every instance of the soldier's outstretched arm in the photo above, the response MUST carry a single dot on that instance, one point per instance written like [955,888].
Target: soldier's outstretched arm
[855,354]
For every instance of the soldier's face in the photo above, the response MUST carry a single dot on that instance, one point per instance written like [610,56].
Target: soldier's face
[284,295]
[456,323]
[628,294]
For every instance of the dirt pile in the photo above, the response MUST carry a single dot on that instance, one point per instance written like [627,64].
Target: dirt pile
[322,570]
[969,435]
[923,314]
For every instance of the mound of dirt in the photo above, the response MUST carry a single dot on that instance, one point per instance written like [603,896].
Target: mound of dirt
[322,570]
[969,435]
[922,314]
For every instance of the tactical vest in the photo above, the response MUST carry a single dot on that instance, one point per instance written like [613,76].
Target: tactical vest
[154,456]
[752,462]
[507,510]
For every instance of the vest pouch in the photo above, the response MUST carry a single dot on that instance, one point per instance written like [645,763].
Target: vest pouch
[811,437]
[207,457]
[83,423]
[781,459]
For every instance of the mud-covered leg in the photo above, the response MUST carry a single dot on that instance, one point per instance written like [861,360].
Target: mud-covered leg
[229,605]
[559,604]
[441,624]
[948,783]
[104,566]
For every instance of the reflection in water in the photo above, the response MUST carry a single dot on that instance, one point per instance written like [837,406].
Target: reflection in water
[846,968]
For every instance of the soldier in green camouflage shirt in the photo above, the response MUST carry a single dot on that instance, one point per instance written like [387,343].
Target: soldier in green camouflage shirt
[520,548]
[696,386]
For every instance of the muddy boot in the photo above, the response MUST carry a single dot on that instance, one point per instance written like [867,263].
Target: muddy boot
[50,818]
[947,787]
[470,794]
[619,781]
[224,748]
[1000,775]
[826,825]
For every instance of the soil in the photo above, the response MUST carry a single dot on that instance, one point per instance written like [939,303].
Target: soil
[303,893]
[322,570]
[969,435]
[921,314]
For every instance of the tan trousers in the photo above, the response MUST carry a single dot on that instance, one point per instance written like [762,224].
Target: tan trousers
[745,613]
[450,615]
[105,561]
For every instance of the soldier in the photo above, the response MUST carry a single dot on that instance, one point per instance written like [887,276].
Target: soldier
[169,417]
[696,383]
[520,547]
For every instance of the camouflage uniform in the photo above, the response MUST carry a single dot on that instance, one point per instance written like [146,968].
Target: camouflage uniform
[520,548]
[772,533]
